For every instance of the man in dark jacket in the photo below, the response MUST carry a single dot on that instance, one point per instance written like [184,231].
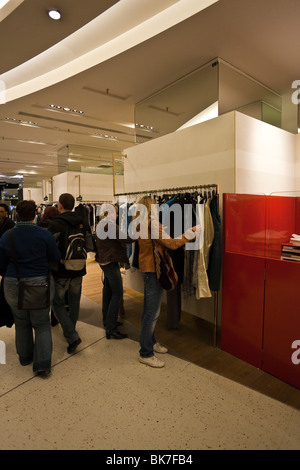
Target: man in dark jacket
[111,252]
[35,250]
[68,282]
[5,222]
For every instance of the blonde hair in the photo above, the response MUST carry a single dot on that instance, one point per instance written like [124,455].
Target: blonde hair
[147,201]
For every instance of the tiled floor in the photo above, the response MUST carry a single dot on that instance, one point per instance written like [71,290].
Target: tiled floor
[103,398]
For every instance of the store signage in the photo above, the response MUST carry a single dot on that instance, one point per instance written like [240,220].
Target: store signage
[296,354]
[296,94]
[2,353]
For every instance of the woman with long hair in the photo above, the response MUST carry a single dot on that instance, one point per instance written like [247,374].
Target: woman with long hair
[153,291]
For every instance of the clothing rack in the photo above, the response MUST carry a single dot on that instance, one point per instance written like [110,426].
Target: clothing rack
[210,187]
[168,190]
[95,202]
[93,205]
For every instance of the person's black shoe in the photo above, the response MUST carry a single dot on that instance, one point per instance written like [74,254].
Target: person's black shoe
[44,373]
[119,323]
[71,348]
[116,335]
[25,362]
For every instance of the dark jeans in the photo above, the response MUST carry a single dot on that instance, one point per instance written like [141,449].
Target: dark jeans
[68,319]
[111,296]
[151,309]
[37,349]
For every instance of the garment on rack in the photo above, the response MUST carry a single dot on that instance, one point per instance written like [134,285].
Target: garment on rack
[173,308]
[125,219]
[176,223]
[83,212]
[208,232]
[200,278]
[198,269]
[215,255]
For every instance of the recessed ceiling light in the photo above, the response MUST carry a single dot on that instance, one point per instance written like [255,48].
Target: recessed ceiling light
[20,122]
[65,108]
[54,14]
[105,136]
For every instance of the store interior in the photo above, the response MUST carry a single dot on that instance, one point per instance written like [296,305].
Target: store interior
[100,124]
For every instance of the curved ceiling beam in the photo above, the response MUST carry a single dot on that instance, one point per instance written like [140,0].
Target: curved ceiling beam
[121,27]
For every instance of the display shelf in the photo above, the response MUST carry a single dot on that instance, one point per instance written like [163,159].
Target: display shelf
[260,298]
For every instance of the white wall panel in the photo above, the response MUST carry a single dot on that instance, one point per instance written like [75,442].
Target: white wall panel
[265,157]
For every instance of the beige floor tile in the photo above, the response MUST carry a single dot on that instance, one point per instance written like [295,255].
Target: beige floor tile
[103,398]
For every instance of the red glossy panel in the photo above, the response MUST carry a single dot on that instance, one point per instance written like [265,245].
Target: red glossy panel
[281,217]
[242,307]
[245,223]
[282,320]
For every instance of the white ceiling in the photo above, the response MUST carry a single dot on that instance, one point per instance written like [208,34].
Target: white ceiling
[260,37]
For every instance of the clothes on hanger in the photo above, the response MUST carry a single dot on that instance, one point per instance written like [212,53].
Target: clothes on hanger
[199,268]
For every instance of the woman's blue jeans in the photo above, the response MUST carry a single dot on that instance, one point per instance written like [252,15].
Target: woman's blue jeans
[37,348]
[151,309]
[112,295]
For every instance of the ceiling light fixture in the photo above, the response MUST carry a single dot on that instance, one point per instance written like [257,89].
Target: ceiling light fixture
[65,108]
[21,122]
[105,136]
[144,127]
[25,141]
[54,14]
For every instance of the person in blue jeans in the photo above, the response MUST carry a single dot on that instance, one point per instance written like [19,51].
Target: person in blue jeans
[111,253]
[35,250]
[68,282]
[152,289]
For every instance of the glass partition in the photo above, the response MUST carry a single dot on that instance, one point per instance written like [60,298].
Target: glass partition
[89,160]
[238,91]
[245,224]
[259,225]
[11,189]
[177,104]
[213,89]
[283,221]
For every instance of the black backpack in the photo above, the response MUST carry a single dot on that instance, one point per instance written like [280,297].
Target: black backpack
[74,251]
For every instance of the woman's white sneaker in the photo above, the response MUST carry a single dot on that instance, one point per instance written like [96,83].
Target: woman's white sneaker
[152,361]
[160,349]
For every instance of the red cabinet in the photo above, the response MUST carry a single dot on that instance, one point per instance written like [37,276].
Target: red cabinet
[281,319]
[260,293]
[242,310]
